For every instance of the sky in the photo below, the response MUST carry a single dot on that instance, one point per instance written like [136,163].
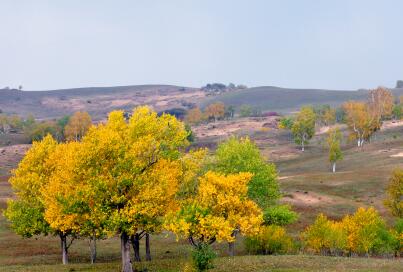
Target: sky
[344,44]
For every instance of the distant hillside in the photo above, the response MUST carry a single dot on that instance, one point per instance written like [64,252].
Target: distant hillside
[97,101]
[284,100]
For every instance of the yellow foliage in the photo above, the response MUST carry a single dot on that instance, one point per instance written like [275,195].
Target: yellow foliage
[220,207]
[77,126]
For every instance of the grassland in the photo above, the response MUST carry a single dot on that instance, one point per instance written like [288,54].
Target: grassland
[306,182]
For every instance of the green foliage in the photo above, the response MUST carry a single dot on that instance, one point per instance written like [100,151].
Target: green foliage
[203,256]
[280,215]
[397,111]
[26,220]
[242,155]
[394,201]
[245,111]
[333,141]
[340,115]
[286,123]
[40,130]
[303,128]
[270,240]
[249,111]
[229,112]
[191,136]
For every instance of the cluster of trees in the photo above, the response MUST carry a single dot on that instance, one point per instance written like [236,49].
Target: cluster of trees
[67,128]
[365,118]
[133,178]
[217,88]
[14,123]
[219,111]
[212,113]
[363,233]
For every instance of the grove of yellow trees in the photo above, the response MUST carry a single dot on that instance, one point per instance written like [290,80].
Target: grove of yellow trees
[128,178]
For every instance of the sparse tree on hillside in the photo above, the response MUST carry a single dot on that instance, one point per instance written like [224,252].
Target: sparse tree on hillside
[78,125]
[380,103]
[229,112]
[333,141]
[359,121]
[245,111]
[394,202]
[215,111]
[303,128]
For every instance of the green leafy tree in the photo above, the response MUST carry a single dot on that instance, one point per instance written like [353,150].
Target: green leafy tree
[245,111]
[333,141]
[303,128]
[242,155]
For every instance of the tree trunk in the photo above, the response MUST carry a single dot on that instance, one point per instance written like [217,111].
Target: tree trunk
[135,239]
[231,249]
[63,242]
[93,249]
[125,251]
[334,167]
[231,246]
[302,147]
[148,252]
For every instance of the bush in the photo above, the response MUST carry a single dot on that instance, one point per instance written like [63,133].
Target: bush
[203,256]
[271,240]
[363,233]
[324,236]
[279,215]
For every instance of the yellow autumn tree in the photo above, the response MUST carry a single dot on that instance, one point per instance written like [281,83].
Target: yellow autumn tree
[219,208]
[69,199]
[380,102]
[215,111]
[194,116]
[27,212]
[77,126]
[360,121]
[134,168]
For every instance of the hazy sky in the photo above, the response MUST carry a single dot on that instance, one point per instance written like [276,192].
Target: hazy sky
[321,44]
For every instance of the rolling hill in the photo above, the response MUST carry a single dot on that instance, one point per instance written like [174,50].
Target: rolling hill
[269,98]
[97,101]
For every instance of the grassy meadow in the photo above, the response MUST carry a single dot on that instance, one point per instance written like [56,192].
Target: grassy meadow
[306,183]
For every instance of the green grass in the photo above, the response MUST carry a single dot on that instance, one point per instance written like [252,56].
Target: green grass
[237,264]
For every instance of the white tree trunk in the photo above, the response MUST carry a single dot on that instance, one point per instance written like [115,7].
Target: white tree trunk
[334,167]
[63,241]
[93,249]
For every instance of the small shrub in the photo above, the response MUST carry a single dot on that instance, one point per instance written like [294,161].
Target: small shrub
[202,257]
[271,240]
[279,215]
